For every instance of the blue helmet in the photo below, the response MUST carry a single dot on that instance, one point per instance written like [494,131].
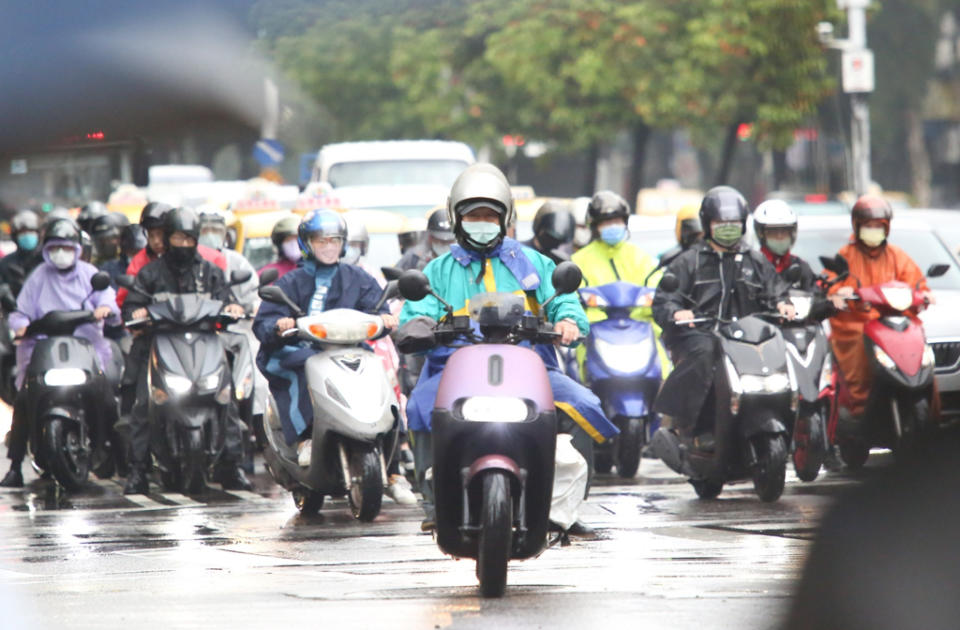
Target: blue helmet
[324,223]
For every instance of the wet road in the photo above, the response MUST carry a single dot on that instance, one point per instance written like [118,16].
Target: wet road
[248,560]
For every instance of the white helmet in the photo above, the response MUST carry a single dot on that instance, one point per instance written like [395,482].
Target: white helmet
[356,233]
[774,213]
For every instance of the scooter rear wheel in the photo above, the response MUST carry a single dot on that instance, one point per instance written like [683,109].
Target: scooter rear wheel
[854,452]
[67,457]
[769,475]
[496,534]
[307,501]
[630,448]
[706,489]
[366,484]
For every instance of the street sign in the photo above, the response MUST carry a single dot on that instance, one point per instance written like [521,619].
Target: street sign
[858,76]
[268,152]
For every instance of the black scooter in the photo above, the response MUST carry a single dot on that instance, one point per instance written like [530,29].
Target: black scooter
[755,402]
[66,395]
[190,383]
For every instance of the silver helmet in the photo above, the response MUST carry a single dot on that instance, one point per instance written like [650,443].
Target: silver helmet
[480,184]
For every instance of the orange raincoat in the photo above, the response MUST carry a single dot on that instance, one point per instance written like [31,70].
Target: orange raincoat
[869,266]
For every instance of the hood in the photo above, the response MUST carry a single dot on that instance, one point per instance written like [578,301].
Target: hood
[55,242]
[940,320]
[392,197]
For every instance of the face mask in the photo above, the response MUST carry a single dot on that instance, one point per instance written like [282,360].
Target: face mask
[327,254]
[291,250]
[873,236]
[481,232]
[211,240]
[613,234]
[181,256]
[727,234]
[439,248]
[352,255]
[581,237]
[779,246]
[63,259]
[28,241]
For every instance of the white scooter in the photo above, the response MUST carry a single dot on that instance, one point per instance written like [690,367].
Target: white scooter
[356,414]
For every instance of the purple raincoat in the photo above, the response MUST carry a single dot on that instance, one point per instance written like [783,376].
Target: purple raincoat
[49,289]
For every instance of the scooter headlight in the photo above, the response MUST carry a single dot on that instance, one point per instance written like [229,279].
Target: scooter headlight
[210,381]
[494,409]
[177,384]
[928,359]
[624,357]
[899,298]
[884,359]
[770,384]
[64,377]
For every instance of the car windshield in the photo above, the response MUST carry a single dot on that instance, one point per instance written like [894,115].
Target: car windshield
[396,173]
[809,209]
[922,246]
[259,251]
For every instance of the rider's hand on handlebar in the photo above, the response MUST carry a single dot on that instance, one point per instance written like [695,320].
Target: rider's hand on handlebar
[928,297]
[568,331]
[683,316]
[839,299]
[102,313]
[284,324]
[390,322]
[21,332]
[234,310]
[140,313]
[787,311]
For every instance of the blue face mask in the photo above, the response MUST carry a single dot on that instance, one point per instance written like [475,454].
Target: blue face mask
[613,234]
[28,241]
[481,232]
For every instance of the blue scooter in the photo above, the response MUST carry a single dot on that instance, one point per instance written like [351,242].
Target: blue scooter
[622,367]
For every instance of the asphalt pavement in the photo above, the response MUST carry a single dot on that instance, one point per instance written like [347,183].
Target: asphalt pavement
[661,558]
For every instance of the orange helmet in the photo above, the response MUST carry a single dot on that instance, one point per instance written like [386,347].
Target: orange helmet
[870,208]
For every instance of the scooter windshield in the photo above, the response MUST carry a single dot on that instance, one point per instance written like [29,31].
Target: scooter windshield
[186,309]
[751,330]
[499,310]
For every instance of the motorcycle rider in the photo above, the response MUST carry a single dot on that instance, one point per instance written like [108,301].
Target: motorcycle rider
[106,231]
[181,269]
[872,261]
[90,213]
[321,282]
[285,239]
[722,276]
[437,243]
[581,235]
[60,282]
[15,267]
[775,224]
[480,208]
[130,240]
[553,230]
[213,234]
[688,230]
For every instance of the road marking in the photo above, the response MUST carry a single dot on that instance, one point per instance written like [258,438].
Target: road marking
[180,499]
[246,495]
[143,501]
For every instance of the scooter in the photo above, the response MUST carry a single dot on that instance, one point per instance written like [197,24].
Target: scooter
[622,367]
[66,395]
[754,401]
[494,428]
[356,414]
[190,384]
[902,365]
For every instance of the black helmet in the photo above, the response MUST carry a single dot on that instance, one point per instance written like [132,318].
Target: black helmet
[132,239]
[108,225]
[723,203]
[89,213]
[605,205]
[152,215]
[24,221]
[553,225]
[284,229]
[62,229]
[438,225]
[183,219]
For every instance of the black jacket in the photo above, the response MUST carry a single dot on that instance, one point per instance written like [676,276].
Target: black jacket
[416,257]
[16,266]
[808,279]
[160,277]
[748,284]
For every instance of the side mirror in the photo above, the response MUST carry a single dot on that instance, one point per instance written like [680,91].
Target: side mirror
[567,277]
[937,269]
[269,276]
[414,285]
[390,292]
[239,277]
[838,264]
[669,283]
[277,296]
[100,281]
[125,281]
[792,274]
[391,273]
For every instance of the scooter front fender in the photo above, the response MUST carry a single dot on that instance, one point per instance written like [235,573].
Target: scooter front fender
[493,462]
[757,423]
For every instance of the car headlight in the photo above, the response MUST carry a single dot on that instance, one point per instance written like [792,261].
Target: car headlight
[928,356]
[210,381]
[63,377]
[770,384]
[494,409]
[177,384]
[627,357]
[883,358]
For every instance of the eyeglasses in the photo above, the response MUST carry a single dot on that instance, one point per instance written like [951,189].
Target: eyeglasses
[326,240]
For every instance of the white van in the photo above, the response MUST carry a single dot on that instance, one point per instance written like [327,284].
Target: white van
[408,176]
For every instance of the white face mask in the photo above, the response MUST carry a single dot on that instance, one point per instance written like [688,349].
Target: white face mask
[872,236]
[291,250]
[62,258]
[327,254]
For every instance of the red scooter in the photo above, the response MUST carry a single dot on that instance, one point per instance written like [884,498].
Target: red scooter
[902,365]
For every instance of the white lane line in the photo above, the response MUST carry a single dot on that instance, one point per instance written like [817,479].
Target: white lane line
[246,495]
[143,501]
[179,499]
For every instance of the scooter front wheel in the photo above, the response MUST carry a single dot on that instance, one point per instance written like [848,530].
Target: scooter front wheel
[193,462]
[67,456]
[307,501]
[706,489]
[809,451]
[854,452]
[496,534]
[630,448]
[366,483]
[770,472]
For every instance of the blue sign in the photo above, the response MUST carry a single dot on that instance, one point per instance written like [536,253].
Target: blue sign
[268,152]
